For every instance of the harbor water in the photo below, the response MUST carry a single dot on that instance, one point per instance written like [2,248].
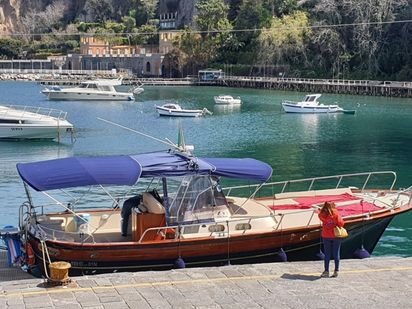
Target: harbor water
[378,137]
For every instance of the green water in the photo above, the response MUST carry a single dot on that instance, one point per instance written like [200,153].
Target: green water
[378,137]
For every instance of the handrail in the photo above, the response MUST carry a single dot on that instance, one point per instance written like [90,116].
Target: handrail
[278,222]
[313,180]
[40,112]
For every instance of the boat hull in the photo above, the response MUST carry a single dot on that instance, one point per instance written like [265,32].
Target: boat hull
[298,244]
[228,102]
[178,113]
[87,96]
[22,131]
[292,108]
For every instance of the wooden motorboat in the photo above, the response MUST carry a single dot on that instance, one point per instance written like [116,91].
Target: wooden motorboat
[30,122]
[310,105]
[168,209]
[175,110]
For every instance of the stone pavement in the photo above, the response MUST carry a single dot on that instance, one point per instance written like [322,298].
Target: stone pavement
[375,283]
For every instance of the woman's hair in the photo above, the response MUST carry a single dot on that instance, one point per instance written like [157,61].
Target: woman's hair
[328,208]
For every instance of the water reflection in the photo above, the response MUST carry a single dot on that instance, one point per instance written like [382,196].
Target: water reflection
[226,108]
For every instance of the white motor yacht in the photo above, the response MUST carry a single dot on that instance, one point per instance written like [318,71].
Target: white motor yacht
[173,109]
[310,104]
[29,122]
[100,89]
[227,99]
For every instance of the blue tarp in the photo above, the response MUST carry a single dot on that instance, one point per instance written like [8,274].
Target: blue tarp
[240,168]
[80,171]
[126,170]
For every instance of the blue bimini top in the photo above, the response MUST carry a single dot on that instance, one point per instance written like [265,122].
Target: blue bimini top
[127,170]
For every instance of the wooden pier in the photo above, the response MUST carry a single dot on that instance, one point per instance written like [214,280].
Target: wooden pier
[355,87]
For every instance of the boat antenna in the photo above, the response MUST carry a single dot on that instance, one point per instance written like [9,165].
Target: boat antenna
[167,142]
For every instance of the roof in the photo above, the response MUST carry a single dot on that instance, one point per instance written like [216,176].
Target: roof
[128,169]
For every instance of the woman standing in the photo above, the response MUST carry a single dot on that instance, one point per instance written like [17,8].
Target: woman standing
[330,218]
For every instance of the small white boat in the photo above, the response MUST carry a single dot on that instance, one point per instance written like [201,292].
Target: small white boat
[173,109]
[311,105]
[29,122]
[227,99]
[100,89]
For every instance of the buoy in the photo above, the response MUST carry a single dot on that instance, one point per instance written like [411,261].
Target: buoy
[180,263]
[361,253]
[320,255]
[282,255]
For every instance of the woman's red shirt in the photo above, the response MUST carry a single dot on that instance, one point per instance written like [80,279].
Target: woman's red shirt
[329,222]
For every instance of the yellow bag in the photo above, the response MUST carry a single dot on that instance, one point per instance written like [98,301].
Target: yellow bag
[340,232]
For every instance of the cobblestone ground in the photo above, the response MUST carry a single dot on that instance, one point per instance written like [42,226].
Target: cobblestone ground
[374,283]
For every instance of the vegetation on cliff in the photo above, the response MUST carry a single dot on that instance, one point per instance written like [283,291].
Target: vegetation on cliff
[351,39]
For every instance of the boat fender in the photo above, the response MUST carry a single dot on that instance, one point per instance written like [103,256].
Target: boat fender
[179,263]
[361,253]
[282,255]
[30,258]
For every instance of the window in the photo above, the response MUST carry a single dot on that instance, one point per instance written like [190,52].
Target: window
[148,67]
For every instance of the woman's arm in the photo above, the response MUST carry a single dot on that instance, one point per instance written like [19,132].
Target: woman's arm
[337,218]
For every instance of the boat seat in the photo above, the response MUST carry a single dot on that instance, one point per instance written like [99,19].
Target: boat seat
[153,206]
[54,223]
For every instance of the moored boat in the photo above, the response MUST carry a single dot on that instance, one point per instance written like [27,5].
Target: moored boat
[310,104]
[175,110]
[175,213]
[99,89]
[227,99]
[30,122]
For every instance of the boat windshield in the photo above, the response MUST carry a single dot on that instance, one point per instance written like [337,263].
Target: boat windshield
[197,199]
[105,88]
[310,98]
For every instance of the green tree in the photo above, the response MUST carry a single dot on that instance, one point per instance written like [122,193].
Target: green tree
[10,48]
[99,10]
[284,41]
[145,34]
[251,15]
[144,10]
[212,17]
[281,7]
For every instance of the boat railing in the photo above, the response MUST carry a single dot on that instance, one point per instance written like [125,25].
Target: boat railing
[290,102]
[222,226]
[282,220]
[39,111]
[48,233]
[333,182]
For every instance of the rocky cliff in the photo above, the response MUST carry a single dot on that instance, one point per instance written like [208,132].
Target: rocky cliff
[13,11]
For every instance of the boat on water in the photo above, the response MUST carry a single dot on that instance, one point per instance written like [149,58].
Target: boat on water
[175,110]
[168,210]
[99,89]
[311,105]
[30,122]
[227,99]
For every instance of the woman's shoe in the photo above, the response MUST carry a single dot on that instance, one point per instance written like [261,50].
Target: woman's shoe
[335,274]
[325,274]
